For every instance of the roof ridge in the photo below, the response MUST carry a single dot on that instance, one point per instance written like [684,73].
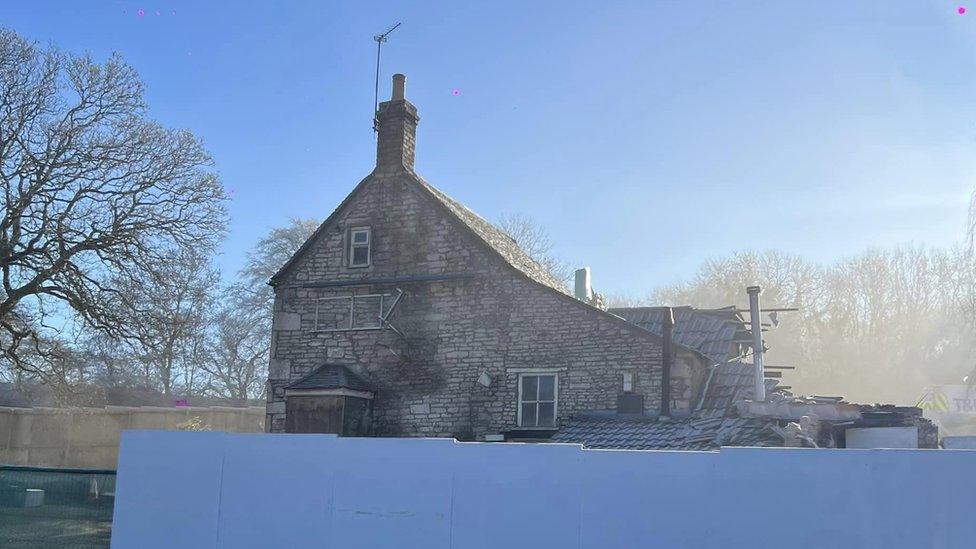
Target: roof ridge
[545,279]
[513,256]
[318,230]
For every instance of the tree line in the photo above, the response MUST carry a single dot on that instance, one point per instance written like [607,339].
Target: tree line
[878,326]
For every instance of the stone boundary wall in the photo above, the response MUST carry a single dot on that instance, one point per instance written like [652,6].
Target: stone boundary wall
[89,437]
[243,491]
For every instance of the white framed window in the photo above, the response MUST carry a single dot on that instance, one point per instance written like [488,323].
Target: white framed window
[537,400]
[360,241]
[351,312]
[628,382]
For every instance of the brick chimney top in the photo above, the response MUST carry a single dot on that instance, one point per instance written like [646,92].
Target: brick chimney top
[399,87]
[396,125]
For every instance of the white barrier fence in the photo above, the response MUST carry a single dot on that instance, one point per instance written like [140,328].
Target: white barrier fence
[218,490]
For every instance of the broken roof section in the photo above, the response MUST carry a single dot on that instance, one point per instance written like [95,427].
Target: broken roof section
[720,334]
[729,383]
[701,432]
[713,424]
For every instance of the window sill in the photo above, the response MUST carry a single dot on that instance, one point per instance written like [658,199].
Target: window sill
[528,434]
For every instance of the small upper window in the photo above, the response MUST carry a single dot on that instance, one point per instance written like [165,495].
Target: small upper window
[359,247]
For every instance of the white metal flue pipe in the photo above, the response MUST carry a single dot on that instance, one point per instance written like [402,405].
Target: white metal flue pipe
[757,342]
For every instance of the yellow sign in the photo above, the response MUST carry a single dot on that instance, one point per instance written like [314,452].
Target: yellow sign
[959,399]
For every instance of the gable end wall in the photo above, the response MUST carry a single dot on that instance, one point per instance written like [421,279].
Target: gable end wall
[495,321]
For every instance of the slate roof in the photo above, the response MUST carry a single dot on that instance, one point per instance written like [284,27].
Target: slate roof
[728,383]
[496,239]
[493,238]
[716,334]
[714,422]
[647,433]
[330,376]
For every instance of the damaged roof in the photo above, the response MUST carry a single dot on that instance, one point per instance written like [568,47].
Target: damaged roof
[731,382]
[701,432]
[719,334]
[330,376]
[713,424]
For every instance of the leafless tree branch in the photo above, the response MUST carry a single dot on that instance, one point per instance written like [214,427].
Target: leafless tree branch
[93,193]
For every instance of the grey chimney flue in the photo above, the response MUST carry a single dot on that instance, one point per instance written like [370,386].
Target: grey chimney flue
[667,359]
[583,286]
[757,343]
[396,128]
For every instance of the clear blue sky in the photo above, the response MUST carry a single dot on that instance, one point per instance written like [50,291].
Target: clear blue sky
[646,136]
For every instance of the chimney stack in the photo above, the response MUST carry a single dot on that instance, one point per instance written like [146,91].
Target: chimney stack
[584,289]
[396,126]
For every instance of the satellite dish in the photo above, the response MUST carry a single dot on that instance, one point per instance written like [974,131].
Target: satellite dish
[484,379]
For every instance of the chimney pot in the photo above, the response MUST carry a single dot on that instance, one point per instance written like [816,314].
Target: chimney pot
[399,87]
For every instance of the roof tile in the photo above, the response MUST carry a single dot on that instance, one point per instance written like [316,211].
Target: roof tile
[331,376]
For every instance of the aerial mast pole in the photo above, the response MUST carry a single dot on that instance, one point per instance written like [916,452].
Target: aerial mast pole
[379,38]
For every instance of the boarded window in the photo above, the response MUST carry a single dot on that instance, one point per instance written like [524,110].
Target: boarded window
[352,312]
[334,313]
[367,311]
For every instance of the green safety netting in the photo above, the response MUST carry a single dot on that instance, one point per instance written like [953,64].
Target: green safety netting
[64,508]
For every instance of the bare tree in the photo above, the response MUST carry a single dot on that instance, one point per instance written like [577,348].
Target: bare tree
[92,193]
[270,254]
[240,338]
[621,300]
[166,312]
[536,242]
[109,364]
[237,359]
[877,326]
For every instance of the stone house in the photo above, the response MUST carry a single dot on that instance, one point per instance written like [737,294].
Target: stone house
[407,314]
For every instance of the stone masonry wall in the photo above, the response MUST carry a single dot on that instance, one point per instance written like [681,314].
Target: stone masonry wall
[495,321]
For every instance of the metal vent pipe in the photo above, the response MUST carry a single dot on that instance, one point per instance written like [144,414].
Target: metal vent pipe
[757,342]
